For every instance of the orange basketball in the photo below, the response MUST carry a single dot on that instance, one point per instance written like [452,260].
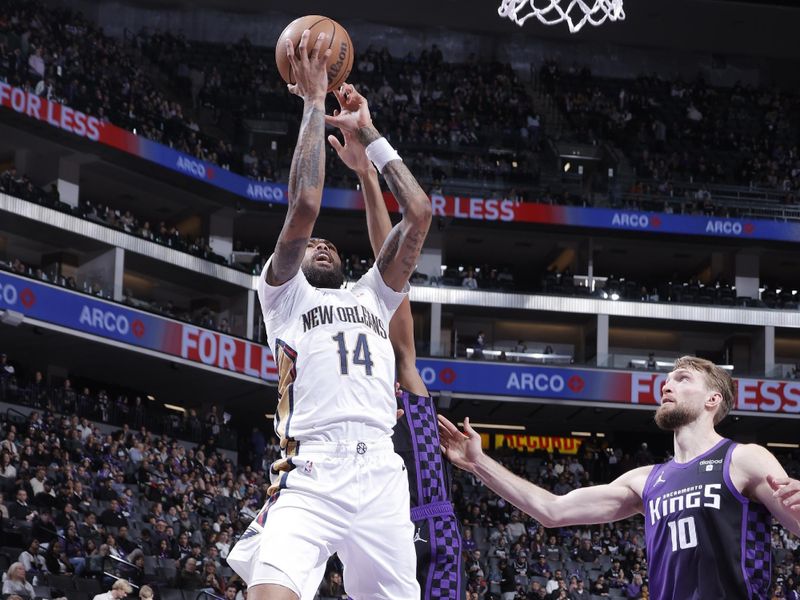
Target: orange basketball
[337,39]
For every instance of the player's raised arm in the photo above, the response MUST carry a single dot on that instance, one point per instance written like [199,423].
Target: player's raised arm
[398,256]
[617,500]
[379,225]
[762,478]
[307,174]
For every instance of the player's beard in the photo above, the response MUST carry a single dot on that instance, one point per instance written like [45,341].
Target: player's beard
[322,277]
[674,418]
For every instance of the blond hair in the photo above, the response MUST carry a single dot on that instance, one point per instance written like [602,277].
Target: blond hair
[13,568]
[122,584]
[717,379]
[145,592]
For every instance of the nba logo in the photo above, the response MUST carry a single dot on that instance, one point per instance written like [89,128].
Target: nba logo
[308,466]
[709,468]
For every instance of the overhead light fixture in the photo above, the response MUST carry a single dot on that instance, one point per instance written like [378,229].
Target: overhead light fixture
[782,445]
[600,434]
[150,397]
[269,416]
[615,296]
[179,409]
[567,166]
[581,434]
[495,426]
[11,317]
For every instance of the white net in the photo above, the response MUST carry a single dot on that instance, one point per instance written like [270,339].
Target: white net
[576,13]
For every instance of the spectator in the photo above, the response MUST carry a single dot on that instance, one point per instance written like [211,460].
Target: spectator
[112,516]
[580,592]
[146,593]
[480,344]
[332,586]
[20,510]
[16,583]
[469,281]
[119,589]
[32,560]
[56,560]
[634,589]
[189,577]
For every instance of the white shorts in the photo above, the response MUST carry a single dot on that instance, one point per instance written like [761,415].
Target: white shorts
[347,497]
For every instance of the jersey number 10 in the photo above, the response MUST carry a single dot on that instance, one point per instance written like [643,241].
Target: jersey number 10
[683,533]
[361,354]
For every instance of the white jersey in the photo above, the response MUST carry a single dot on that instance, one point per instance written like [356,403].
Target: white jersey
[336,366]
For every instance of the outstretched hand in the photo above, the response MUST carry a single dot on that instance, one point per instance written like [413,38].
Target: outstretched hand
[353,113]
[787,490]
[462,449]
[352,152]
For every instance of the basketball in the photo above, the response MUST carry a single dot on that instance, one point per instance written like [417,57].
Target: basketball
[340,61]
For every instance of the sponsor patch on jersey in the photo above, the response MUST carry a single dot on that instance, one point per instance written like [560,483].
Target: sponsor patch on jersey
[710,466]
[308,467]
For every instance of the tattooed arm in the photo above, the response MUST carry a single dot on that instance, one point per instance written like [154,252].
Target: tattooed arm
[307,174]
[398,256]
[401,327]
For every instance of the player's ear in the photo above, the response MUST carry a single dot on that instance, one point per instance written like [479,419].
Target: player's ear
[714,400]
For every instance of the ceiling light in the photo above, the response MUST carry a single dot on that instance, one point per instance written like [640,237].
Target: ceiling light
[495,426]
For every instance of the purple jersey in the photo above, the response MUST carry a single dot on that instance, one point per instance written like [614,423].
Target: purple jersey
[704,539]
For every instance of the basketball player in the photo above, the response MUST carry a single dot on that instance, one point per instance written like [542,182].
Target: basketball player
[437,537]
[341,487]
[707,512]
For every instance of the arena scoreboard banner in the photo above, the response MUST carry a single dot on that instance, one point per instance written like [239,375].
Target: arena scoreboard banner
[112,321]
[638,388]
[82,313]
[481,209]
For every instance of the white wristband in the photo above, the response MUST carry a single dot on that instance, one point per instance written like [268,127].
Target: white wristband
[381,152]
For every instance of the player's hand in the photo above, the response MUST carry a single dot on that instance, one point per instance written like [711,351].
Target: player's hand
[462,449]
[351,152]
[787,490]
[310,73]
[353,111]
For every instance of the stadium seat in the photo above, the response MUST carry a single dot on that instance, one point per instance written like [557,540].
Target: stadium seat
[172,594]
[62,582]
[42,591]
[90,586]
[167,574]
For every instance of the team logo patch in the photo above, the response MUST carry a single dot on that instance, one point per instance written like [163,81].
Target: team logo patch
[308,467]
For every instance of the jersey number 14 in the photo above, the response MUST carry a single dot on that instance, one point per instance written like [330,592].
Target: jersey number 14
[361,356]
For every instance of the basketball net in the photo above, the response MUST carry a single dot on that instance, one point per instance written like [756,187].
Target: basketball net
[576,13]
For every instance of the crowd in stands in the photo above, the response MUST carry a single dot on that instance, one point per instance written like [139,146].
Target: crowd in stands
[84,501]
[474,121]
[111,404]
[125,504]
[678,131]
